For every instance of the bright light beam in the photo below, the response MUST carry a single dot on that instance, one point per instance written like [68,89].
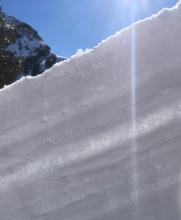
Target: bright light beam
[135,183]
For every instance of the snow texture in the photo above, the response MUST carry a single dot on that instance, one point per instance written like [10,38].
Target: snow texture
[68,149]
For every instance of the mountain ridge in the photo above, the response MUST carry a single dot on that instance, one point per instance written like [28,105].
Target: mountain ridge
[22,51]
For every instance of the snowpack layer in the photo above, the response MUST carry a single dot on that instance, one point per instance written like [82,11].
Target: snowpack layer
[70,147]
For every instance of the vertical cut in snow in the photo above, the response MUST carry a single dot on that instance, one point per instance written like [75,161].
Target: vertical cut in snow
[66,138]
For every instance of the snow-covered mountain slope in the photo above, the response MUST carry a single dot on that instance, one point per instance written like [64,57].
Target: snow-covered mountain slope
[22,51]
[74,147]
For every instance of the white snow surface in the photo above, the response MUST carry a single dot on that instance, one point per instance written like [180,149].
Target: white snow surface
[67,146]
[25,46]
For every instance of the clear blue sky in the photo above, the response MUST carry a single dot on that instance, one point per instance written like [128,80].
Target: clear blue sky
[67,25]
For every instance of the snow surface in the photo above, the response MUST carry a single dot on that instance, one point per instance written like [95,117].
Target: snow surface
[67,146]
[25,46]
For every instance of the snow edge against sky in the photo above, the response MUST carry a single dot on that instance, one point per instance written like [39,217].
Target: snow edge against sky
[85,52]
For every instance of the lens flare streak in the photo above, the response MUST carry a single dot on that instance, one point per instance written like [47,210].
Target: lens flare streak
[135,183]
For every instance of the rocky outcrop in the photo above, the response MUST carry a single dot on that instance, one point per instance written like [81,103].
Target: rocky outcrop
[22,51]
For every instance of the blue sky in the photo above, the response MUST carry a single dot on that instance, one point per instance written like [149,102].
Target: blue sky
[67,25]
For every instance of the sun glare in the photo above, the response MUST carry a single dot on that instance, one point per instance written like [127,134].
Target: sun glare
[137,4]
